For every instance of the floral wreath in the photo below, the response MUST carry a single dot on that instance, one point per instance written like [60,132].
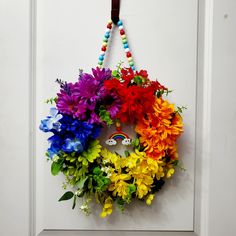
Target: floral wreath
[101,100]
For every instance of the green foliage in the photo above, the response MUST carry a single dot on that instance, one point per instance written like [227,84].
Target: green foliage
[131,190]
[105,115]
[116,74]
[77,167]
[180,109]
[100,182]
[56,166]
[121,204]
[74,202]
[51,100]
[139,80]
[159,93]
[136,144]
[127,153]
[81,183]
[66,196]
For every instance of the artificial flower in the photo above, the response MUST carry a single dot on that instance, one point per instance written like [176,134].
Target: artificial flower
[159,130]
[52,121]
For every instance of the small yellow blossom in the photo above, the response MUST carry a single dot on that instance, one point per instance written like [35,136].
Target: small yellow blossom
[107,207]
[170,172]
[149,199]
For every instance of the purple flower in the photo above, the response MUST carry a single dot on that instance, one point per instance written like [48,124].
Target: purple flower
[70,104]
[83,99]
[101,74]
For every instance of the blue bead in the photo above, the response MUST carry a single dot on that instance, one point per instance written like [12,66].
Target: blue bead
[107,35]
[126,45]
[101,58]
[119,23]
[132,67]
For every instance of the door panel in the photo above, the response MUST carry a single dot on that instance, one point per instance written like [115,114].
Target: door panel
[163,41]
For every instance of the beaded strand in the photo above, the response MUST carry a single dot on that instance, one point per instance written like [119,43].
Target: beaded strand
[124,41]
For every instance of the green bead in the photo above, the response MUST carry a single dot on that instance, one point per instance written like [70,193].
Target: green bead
[131,63]
[124,40]
[105,40]
[100,62]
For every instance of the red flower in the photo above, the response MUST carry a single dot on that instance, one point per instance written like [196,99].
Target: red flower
[137,94]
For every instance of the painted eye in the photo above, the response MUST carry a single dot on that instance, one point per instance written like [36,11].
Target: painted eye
[111,142]
[126,141]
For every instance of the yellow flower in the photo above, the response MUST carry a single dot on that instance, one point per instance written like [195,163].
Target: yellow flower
[170,172]
[149,199]
[143,186]
[118,185]
[107,207]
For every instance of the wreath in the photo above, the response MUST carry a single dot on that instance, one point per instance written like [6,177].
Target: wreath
[102,100]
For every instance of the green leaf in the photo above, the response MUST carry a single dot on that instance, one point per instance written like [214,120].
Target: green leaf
[66,196]
[74,202]
[138,80]
[136,142]
[127,153]
[81,183]
[105,115]
[114,73]
[56,167]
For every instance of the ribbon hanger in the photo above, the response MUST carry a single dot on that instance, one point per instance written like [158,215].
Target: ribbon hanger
[115,11]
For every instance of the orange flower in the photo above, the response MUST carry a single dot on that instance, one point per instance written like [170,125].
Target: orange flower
[159,130]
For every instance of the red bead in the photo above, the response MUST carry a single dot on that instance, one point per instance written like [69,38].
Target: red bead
[128,54]
[104,48]
[122,32]
[109,26]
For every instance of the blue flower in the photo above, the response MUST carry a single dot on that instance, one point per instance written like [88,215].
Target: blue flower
[51,122]
[72,146]
[69,135]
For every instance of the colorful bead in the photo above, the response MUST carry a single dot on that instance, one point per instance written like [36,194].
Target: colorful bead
[101,58]
[124,41]
[126,45]
[128,54]
[107,35]
[107,31]
[119,23]
[131,63]
[122,32]
[130,59]
[110,22]
[104,48]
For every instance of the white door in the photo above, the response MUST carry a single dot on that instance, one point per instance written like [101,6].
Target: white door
[188,45]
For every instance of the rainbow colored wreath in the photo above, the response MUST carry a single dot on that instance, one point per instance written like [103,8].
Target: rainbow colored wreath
[99,101]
